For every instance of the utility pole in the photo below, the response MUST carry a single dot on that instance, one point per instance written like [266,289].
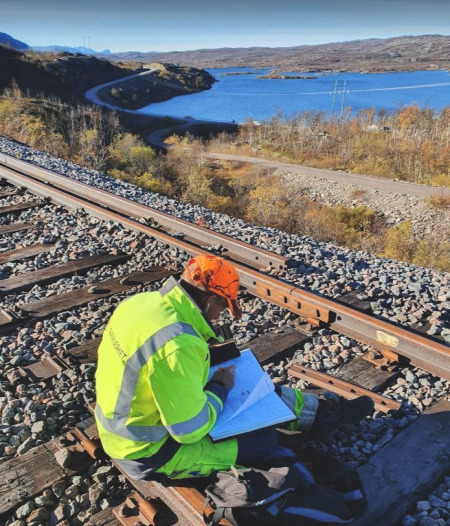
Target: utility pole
[86,40]
[344,91]
[334,98]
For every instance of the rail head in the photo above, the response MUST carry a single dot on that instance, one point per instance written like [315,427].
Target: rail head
[318,310]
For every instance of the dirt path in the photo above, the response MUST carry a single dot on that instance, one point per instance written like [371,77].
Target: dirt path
[366,181]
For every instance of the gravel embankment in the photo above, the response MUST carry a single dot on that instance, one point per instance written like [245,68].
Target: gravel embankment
[393,208]
[32,414]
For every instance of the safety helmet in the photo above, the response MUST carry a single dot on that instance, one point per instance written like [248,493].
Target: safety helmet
[217,275]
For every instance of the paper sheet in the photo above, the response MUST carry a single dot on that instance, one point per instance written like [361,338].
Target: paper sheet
[252,402]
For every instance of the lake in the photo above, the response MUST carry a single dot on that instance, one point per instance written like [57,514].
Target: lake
[243,96]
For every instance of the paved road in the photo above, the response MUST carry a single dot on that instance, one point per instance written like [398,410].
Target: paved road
[92,94]
[365,181]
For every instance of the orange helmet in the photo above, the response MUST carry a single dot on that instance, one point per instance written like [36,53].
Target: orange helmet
[217,275]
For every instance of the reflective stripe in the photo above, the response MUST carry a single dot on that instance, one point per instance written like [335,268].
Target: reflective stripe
[191,425]
[169,285]
[199,420]
[140,358]
[289,397]
[303,405]
[217,404]
[136,433]
[118,424]
[318,515]
[308,412]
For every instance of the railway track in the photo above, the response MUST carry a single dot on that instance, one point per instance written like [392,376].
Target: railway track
[264,275]
[421,350]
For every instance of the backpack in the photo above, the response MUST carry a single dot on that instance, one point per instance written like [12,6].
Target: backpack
[286,496]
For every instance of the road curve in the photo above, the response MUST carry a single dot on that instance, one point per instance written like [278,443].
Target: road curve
[92,94]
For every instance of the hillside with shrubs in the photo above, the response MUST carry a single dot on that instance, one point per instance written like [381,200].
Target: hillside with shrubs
[410,144]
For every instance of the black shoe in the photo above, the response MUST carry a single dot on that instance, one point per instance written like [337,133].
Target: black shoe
[337,411]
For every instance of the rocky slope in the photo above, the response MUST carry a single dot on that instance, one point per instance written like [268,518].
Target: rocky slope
[65,75]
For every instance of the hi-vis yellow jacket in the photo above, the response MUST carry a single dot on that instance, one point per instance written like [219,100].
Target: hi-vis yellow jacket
[153,366]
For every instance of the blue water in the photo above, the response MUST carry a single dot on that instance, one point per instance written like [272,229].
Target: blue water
[241,97]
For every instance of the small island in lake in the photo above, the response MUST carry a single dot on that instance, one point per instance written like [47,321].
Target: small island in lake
[232,73]
[277,76]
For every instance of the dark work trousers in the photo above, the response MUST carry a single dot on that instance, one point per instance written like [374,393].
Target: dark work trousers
[258,448]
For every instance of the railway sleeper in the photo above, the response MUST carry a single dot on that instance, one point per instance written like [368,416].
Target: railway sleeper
[351,299]
[267,348]
[364,305]
[9,192]
[179,502]
[46,307]
[25,252]
[392,481]
[156,219]
[23,478]
[407,468]
[389,495]
[105,518]
[20,207]
[136,509]
[40,371]
[425,352]
[28,280]
[16,227]
[342,387]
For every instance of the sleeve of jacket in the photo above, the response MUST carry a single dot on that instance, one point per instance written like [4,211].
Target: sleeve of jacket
[187,408]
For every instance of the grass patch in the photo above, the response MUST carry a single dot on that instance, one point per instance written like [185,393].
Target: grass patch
[439,201]
[358,193]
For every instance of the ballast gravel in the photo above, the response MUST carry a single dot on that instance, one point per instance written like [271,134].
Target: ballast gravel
[74,500]
[31,414]
[396,291]
[434,510]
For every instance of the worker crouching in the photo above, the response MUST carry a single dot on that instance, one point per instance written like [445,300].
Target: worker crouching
[155,405]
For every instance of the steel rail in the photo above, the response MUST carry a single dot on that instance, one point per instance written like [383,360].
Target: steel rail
[196,234]
[341,387]
[423,352]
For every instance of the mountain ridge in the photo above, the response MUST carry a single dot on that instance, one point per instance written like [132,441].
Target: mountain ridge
[404,53]
[68,49]
[9,41]
[371,55]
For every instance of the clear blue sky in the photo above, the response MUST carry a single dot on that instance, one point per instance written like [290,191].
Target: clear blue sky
[168,25]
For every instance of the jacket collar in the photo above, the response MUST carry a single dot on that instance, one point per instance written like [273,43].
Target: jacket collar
[179,298]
